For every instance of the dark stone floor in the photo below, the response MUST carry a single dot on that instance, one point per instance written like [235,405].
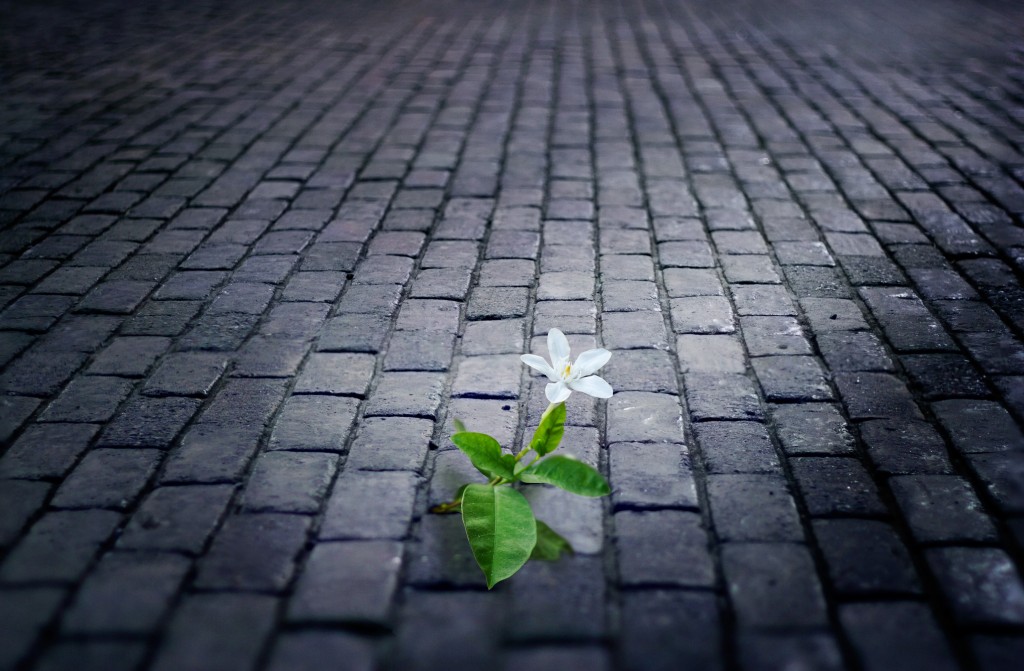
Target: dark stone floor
[255,256]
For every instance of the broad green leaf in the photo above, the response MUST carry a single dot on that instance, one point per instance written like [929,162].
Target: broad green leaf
[568,473]
[549,433]
[501,529]
[459,426]
[550,546]
[486,454]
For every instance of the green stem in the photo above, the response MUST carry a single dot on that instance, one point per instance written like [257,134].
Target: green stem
[446,507]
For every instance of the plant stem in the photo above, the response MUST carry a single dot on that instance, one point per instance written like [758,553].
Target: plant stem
[442,508]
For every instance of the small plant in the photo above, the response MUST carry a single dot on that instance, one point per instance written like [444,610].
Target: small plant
[500,526]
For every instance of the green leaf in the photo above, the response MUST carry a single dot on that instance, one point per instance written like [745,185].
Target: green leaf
[549,433]
[459,426]
[568,473]
[501,529]
[509,460]
[550,545]
[486,454]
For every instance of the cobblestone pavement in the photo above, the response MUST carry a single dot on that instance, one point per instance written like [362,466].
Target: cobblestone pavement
[255,256]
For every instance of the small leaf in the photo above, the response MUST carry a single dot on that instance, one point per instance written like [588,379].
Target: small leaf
[509,460]
[486,454]
[569,473]
[459,426]
[501,529]
[550,545]
[548,435]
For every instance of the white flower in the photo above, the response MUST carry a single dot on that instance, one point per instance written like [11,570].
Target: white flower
[569,377]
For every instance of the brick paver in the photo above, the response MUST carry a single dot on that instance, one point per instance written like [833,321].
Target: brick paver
[256,256]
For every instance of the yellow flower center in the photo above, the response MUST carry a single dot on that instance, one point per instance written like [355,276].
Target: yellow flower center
[568,369]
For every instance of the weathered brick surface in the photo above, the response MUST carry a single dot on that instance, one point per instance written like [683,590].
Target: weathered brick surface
[290,482]
[198,638]
[662,548]
[257,257]
[889,634]
[773,585]
[253,552]
[59,547]
[668,628]
[560,603]
[126,593]
[348,582]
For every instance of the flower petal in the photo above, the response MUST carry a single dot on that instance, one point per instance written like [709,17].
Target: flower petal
[588,362]
[594,386]
[557,392]
[539,364]
[558,348]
